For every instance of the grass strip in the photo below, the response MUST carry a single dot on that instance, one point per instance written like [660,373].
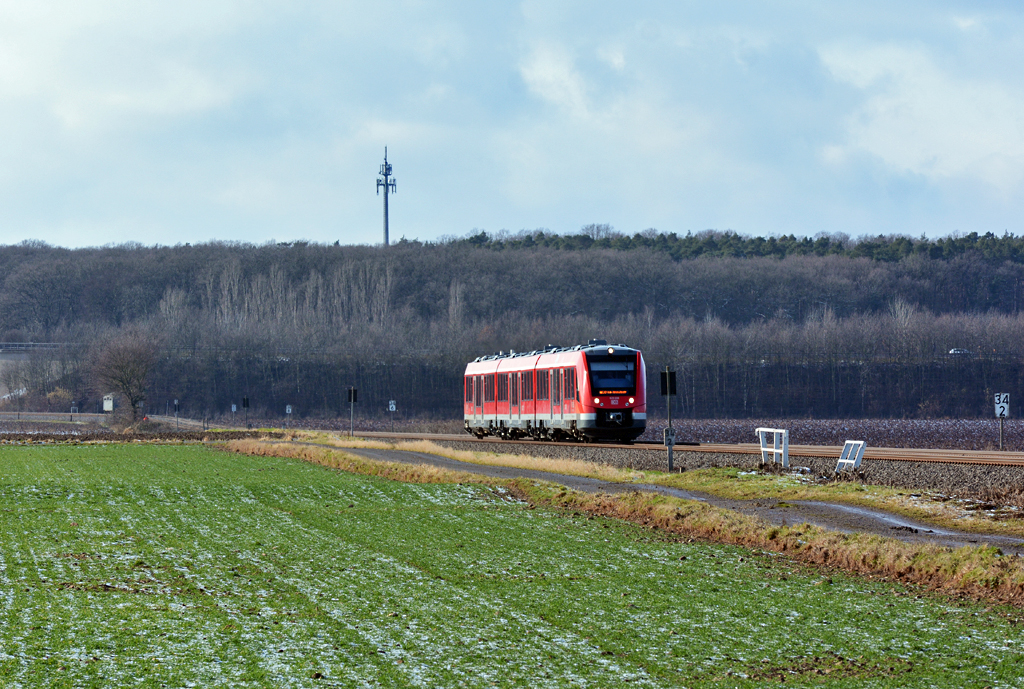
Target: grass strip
[724,482]
[979,572]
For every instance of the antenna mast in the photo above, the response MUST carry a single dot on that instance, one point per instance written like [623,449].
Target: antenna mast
[388,182]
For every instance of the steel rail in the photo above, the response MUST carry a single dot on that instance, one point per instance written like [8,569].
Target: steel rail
[892,454]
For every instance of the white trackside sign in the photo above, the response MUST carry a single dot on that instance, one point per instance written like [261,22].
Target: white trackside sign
[1002,405]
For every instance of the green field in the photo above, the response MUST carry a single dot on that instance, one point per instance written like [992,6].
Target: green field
[138,565]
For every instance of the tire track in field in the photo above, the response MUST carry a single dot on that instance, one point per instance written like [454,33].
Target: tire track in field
[435,601]
[263,611]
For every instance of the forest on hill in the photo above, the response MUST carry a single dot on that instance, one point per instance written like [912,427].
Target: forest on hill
[821,327]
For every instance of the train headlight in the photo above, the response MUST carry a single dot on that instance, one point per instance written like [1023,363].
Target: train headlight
[631,400]
[597,400]
[611,350]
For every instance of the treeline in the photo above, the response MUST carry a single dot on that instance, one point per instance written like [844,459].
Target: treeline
[713,244]
[47,290]
[901,363]
[805,335]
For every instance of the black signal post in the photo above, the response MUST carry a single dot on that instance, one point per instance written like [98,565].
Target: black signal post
[388,182]
[245,406]
[668,389]
[352,395]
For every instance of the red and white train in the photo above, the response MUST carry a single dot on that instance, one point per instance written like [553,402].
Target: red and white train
[588,392]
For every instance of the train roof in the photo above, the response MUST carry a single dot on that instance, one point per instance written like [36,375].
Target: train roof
[551,349]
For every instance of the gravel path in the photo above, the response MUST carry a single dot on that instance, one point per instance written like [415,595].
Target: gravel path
[952,479]
[832,516]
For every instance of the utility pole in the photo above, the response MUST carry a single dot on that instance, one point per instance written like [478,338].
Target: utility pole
[388,182]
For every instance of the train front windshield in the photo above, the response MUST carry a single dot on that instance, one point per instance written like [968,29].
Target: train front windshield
[612,375]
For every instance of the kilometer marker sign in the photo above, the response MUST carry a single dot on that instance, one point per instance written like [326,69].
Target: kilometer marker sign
[1002,405]
[1002,411]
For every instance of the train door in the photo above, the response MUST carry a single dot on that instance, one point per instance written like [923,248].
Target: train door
[513,410]
[529,398]
[569,394]
[556,397]
[504,397]
[543,404]
[478,399]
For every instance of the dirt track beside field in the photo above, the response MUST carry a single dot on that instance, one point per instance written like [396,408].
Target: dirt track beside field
[831,516]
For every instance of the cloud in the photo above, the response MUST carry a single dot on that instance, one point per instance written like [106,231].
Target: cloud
[91,65]
[246,119]
[613,56]
[919,118]
[550,74]
[609,137]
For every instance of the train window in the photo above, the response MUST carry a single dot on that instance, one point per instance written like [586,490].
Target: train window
[612,375]
[528,386]
[542,385]
[517,381]
[469,388]
[478,392]
[489,388]
[556,393]
[503,387]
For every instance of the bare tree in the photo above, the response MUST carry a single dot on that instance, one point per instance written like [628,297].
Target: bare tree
[123,364]
[597,231]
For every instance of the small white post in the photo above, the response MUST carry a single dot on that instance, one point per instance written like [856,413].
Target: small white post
[853,453]
[779,449]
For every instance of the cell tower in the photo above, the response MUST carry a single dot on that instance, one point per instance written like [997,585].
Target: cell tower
[388,182]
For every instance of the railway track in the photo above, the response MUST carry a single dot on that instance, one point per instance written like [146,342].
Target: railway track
[897,454]
[51,416]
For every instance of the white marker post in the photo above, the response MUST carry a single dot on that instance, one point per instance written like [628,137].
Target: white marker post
[391,408]
[288,411]
[1002,411]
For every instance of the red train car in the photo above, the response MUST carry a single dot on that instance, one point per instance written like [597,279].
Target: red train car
[588,392]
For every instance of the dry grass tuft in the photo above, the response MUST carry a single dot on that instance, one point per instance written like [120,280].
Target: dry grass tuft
[604,472]
[1002,496]
[340,460]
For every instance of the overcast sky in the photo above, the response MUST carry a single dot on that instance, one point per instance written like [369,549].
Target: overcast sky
[237,120]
